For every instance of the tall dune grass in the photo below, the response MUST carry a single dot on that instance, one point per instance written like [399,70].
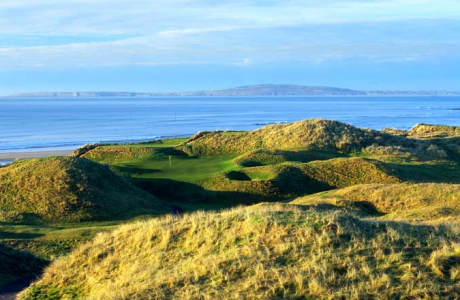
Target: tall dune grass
[260,252]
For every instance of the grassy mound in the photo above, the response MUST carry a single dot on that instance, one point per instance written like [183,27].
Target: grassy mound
[113,154]
[426,131]
[260,184]
[343,172]
[119,154]
[314,134]
[309,134]
[261,252]
[263,157]
[68,189]
[408,202]
[16,264]
[284,181]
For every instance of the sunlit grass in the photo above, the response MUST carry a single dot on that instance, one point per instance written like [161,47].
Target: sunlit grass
[261,252]
[179,168]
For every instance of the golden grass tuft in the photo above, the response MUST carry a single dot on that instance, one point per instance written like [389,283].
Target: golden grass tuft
[261,252]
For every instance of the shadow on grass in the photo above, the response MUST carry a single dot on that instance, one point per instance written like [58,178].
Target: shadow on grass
[441,173]
[300,156]
[19,235]
[356,208]
[192,197]
[133,170]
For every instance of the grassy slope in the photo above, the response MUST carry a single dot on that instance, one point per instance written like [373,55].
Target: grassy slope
[261,252]
[314,134]
[407,202]
[68,189]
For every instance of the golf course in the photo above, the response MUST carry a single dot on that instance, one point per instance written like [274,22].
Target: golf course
[313,179]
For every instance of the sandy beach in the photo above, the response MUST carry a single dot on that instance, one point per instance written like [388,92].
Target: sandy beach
[26,155]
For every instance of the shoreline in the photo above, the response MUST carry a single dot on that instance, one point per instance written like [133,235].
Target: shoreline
[37,154]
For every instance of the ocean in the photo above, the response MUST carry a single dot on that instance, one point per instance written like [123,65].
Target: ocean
[29,125]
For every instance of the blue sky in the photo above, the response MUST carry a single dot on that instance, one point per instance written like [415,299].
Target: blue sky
[180,45]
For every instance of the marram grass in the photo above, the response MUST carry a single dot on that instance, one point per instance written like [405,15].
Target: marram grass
[268,251]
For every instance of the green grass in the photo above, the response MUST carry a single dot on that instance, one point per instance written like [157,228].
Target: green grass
[179,168]
[50,242]
[257,175]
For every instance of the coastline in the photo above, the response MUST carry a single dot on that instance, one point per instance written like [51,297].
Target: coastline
[28,155]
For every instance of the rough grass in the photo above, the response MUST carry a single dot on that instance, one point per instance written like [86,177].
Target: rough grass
[15,264]
[314,134]
[107,149]
[68,189]
[118,154]
[407,202]
[260,252]
[285,181]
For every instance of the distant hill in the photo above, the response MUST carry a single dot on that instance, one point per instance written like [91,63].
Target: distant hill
[251,90]
[276,90]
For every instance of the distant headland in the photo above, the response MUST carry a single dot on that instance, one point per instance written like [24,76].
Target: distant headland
[252,90]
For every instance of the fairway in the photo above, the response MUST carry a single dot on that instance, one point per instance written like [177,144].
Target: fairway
[186,169]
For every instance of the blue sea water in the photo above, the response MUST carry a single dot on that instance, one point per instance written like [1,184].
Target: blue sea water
[61,124]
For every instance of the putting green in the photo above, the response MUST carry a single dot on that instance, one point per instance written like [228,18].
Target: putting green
[186,169]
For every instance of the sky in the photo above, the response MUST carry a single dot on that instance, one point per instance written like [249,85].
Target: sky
[186,45]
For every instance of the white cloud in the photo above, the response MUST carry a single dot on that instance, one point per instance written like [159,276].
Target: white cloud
[140,17]
[176,33]
[225,31]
